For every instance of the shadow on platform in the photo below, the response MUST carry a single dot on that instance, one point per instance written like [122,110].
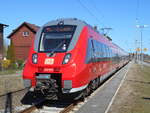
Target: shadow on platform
[146,98]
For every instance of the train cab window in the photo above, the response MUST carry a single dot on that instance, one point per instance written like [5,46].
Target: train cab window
[56,38]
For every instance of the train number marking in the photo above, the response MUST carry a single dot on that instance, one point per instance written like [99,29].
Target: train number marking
[49,61]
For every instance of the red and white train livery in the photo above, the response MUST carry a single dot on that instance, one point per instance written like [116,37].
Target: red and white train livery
[68,57]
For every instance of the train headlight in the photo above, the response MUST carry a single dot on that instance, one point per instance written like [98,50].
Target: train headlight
[66,58]
[34,58]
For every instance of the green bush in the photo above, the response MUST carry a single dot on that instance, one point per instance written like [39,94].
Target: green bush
[20,63]
[11,52]
[13,65]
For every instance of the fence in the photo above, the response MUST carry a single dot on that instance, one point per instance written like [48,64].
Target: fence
[10,102]
[12,90]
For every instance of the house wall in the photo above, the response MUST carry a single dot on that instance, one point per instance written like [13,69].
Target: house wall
[22,43]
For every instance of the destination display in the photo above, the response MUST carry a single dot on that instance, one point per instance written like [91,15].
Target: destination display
[66,28]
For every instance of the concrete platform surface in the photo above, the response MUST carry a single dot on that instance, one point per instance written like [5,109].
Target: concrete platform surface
[103,98]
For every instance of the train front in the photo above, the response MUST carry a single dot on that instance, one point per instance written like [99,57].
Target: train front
[51,66]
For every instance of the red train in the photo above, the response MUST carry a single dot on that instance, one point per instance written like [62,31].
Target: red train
[69,57]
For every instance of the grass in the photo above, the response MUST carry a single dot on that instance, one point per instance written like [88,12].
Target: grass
[10,82]
[142,91]
[134,95]
[9,71]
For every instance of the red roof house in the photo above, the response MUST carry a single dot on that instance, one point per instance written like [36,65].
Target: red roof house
[22,38]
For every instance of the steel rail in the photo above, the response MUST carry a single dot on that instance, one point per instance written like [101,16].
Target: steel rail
[67,109]
[34,107]
[29,110]
[14,91]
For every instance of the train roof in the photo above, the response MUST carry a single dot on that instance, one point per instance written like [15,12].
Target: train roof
[70,21]
[67,21]
[64,21]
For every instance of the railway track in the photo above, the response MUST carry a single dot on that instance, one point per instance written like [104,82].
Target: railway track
[55,106]
[48,106]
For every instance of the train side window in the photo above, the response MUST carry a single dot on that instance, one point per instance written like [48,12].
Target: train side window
[97,50]
[89,53]
[107,54]
[92,43]
[111,54]
[105,51]
[96,43]
[93,50]
[101,50]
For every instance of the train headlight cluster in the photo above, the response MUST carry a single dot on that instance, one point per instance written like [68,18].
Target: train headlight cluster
[34,58]
[66,58]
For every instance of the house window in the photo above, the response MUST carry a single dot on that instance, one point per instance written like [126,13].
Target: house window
[26,33]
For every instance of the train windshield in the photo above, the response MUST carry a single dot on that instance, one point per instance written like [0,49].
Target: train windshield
[56,38]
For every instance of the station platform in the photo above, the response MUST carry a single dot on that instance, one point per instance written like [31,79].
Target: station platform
[101,100]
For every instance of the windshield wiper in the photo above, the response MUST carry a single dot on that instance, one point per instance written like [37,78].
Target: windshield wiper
[58,46]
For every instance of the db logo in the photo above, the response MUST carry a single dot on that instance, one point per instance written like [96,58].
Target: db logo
[49,61]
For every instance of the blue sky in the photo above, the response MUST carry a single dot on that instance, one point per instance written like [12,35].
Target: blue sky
[118,14]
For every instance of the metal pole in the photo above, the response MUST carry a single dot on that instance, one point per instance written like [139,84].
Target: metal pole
[136,52]
[141,48]
[8,105]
